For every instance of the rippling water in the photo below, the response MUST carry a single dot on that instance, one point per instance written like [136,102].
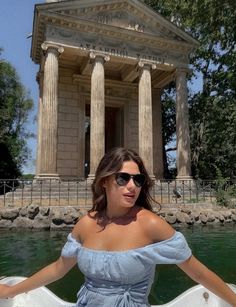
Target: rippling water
[24,252]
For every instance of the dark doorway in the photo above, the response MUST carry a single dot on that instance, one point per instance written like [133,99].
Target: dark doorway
[114,131]
[113,127]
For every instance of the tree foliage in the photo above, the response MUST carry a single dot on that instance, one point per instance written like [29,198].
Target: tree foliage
[169,124]
[212,110]
[15,106]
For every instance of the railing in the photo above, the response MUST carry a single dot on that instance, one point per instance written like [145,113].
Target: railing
[184,191]
[19,192]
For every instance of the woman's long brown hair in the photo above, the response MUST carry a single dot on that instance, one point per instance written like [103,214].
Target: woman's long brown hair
[112,163]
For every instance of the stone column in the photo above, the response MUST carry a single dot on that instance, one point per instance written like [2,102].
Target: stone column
[49,110]
[97,113]
[158,167]
[81,138]
[145,116]
[182,126]
[39,79]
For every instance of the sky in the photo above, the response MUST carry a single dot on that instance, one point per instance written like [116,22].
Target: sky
[16,23]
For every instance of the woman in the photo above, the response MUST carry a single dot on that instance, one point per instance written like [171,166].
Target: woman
[119,242]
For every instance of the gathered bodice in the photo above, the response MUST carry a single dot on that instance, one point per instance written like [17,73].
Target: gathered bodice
[123,278]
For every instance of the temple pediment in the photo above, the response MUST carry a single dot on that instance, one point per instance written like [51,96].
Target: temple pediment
[130,15]
[129,27]
[122,20]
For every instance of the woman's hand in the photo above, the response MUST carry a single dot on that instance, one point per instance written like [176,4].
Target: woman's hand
[5,291]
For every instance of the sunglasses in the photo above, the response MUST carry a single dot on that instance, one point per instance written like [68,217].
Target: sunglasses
[123,178]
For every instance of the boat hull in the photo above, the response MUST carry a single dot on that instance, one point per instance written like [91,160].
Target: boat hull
[198,296]
[41,297]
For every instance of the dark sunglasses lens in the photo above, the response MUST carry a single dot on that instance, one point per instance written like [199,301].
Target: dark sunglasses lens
[139,180]
[122,178]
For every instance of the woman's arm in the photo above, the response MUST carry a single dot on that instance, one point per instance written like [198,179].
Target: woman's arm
[47,275]
[159,230]
[201,274]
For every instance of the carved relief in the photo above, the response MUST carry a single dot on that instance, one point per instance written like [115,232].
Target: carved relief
[123,17]
[117,18]
[136,27]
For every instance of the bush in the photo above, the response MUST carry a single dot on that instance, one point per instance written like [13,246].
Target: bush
[225,191]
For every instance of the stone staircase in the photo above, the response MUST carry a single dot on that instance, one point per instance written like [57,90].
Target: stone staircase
[49,193]
[78,193]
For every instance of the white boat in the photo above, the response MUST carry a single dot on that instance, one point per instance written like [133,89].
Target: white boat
[197,296]
[41,297]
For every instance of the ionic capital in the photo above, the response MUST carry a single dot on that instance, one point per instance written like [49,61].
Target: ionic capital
[93,55]
[147,64]
[57,50]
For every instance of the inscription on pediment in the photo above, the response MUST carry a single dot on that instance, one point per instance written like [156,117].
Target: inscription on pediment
[113,47]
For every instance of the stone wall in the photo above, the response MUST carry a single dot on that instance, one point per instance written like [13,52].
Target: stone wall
[50,218]
[36,217]
[68,125]
[132,140]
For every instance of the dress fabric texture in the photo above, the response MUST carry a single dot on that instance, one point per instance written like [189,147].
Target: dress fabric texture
[122,278]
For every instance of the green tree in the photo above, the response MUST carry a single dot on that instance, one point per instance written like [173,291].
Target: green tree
[15,106]
[169,131]
[212,110]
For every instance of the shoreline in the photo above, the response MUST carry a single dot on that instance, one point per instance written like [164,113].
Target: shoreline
[58,217]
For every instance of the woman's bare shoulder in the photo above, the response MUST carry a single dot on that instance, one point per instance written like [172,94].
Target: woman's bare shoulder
[156,228]
[84,225]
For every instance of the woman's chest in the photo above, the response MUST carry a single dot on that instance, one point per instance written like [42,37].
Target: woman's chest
[115,237]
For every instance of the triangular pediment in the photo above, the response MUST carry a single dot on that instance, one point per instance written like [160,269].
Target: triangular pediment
[130,15]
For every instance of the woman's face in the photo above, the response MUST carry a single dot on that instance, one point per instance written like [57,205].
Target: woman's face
[126,195]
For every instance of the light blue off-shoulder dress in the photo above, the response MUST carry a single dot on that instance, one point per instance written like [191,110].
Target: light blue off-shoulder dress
[122,278]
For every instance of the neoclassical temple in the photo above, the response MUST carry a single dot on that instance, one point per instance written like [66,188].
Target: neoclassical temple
[103,66]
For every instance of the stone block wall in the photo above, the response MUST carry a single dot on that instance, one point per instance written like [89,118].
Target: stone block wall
[58,217]
[68,125]
[133,125]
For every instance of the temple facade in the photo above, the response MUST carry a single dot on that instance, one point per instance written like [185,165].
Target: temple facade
[103,66]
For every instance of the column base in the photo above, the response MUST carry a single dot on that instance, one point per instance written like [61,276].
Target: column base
[49,177]
[153,178]
[90,178]
[179,177]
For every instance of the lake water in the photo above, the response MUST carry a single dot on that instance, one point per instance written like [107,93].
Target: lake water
[24,252]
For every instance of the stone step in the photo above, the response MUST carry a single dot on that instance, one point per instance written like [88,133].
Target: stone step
[80,192]
[57,188]
[19,194]
[28,196]
[86,193]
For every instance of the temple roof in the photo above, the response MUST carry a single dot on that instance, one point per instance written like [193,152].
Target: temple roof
[122,21]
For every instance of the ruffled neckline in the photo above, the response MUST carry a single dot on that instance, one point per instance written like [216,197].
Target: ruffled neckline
[172,238]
